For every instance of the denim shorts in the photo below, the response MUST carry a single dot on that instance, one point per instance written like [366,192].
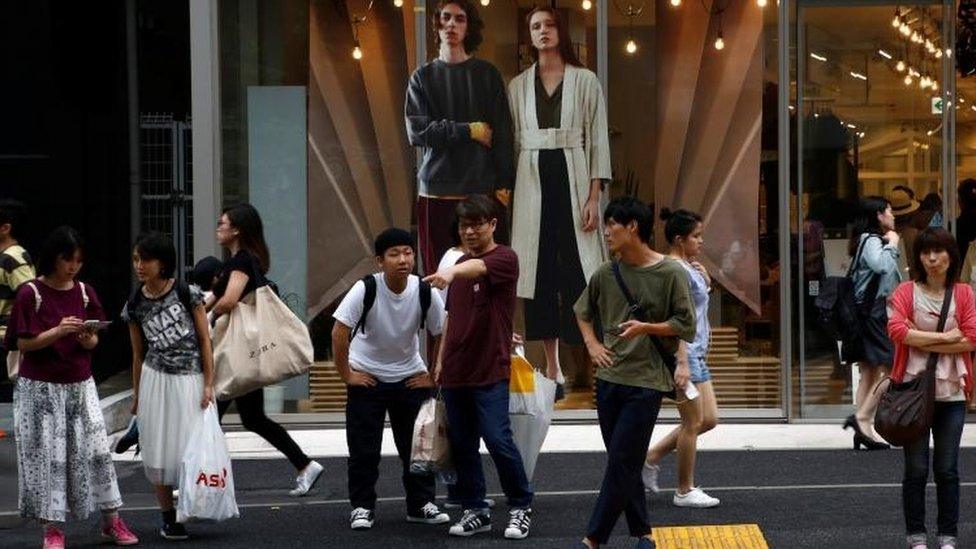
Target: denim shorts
[699,370]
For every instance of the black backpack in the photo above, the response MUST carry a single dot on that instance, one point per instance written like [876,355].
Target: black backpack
[838,310]
[369,297]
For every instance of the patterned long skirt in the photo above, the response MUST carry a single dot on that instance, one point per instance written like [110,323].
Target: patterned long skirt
[64,462]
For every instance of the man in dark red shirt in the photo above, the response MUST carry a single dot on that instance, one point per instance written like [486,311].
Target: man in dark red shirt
[473,370]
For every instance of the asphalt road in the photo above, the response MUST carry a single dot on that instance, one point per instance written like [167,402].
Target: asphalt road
[798,498]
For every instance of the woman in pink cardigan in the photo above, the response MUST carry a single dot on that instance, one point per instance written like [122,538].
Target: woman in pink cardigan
[913,322]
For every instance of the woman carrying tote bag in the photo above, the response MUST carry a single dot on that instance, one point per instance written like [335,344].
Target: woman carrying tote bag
[915,310]
[241,232]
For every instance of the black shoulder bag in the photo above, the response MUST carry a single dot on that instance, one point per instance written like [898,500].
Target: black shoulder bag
[905,411]
[638,313]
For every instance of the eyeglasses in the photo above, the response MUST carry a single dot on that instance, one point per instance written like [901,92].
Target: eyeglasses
[472,226]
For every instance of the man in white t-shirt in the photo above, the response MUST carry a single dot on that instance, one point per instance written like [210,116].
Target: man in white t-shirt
[385,373]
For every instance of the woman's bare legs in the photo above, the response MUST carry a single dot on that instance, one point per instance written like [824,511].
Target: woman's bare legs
[697,416]
[868,397]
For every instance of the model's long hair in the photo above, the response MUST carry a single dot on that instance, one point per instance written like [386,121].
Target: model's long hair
[566,50]
[246,219]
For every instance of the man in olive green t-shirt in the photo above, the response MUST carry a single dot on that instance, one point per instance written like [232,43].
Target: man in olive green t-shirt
[15,268]
[631,376]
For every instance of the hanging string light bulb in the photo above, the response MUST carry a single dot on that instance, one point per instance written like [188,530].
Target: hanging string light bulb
[398,3]
[900,66]
[357,20]
[587,5]
[357,53]
[485,3]
[896,22]
[632,11]
[675,3]
[908,80]
[719,42]
[761,3]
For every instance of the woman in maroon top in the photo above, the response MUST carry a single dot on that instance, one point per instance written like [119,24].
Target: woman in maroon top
[65,468]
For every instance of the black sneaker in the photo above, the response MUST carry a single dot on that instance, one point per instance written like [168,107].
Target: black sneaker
[429,514]
[361,519]
[129,439]
[173,531]
[474,521]
[519,521]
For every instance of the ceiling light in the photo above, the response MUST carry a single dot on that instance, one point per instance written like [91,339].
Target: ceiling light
[587,4]
[761,3]
[357,53]
[719,42]
[675,3]
[631,47]
[900,66]
[908,80]
[818,57]
[884,54]
[858,75]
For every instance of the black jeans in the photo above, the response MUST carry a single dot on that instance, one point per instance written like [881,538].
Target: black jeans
[627,416]
[366,409]
[559,279]
[950,417]
[251,409]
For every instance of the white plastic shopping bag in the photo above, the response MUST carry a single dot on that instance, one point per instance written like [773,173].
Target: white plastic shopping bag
[430,452]
[206,478]
[530,405]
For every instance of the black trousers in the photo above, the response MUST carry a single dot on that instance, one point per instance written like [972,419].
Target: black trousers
[366,408]
[627,416]
[559,279]
[251,409]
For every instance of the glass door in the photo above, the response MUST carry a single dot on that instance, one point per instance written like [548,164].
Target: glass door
[872,108]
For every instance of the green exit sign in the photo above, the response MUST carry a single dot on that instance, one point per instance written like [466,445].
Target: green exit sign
[937,103]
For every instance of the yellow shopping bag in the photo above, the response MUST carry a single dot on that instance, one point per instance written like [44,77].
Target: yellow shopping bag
[522,376]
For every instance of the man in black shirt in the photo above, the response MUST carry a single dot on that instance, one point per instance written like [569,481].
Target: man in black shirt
[457,112]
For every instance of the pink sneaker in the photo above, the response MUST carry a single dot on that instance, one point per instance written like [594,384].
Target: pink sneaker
[116,530]
[53,538]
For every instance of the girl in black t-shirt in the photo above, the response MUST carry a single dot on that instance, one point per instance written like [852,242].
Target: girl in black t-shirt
[241,232]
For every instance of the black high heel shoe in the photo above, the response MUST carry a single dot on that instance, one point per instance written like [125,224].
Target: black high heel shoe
[860,439]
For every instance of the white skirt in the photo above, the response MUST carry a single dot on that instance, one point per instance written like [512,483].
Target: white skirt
[169,408]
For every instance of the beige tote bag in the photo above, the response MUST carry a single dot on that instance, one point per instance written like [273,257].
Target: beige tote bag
[259,343]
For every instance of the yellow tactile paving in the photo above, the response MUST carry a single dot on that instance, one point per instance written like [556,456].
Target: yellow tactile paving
[725,536]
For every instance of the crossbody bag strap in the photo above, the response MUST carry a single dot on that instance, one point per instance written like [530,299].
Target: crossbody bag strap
[943,316]
[637,312]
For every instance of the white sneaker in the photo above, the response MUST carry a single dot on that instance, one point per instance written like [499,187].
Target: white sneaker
[695,498]
[518,524]
[361,519]
[649,476]
[306,479]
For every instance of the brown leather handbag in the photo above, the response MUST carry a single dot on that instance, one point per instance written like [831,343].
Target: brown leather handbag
[905,411]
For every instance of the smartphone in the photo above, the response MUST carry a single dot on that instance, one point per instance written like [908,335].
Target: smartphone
[691,392]
[95,325]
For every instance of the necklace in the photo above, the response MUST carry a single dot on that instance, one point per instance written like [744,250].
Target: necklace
[153,295]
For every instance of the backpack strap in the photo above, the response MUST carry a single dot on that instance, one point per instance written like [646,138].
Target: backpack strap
[37,296]
[636,311]
[183,293]
[84,293]
[369,297]
[425,299]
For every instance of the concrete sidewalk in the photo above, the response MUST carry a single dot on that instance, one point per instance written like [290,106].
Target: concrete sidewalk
[582,438]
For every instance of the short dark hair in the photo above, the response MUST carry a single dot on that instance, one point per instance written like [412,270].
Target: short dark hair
[473,37]
[477,207]
[205,271]
[679,223]
[13,212]
[391,238]
[156,245]
[62,243]
[625,209]
[938,239]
